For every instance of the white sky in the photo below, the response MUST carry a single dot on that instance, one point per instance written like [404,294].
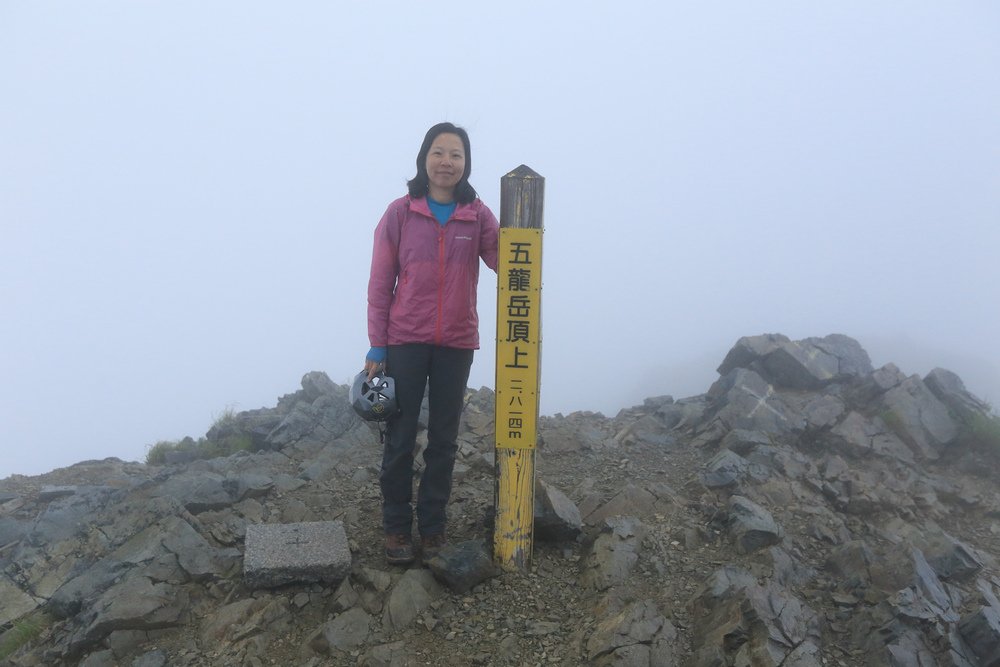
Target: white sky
[188,192]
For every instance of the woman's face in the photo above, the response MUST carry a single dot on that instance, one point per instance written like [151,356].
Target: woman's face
[445,163]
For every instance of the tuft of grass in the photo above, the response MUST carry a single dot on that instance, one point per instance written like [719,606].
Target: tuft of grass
[224,419]
[156,455]
[205,448]
[982,431]
[25,630]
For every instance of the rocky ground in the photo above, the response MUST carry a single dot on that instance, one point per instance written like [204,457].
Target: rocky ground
[807,510]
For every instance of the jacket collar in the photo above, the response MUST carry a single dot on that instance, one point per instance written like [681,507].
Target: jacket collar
[467,212]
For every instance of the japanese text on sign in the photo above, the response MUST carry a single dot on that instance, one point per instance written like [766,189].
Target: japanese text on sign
[519,274]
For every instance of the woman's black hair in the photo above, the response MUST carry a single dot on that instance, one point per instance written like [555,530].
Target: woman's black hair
[464,192]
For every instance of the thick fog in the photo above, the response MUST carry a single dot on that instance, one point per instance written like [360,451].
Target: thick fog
[188,192]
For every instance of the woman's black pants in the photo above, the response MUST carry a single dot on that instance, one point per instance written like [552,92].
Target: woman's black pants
[445,370]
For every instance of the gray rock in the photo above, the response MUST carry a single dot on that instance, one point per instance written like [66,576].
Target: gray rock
[950,390]
[737,621]
[248,485]
[859,437]
[199,559]
[926,599]
[981,630]
[904,646]
[463,565]
[823,411]
[743,442]
[317,469]
[127,642]
[16,603]
[412,594]
[656,402]
[254,424]
[345,632]
[49,492]
[245,619]
[950,558]
[806,364]
[67,517]
[631,500]
[744,400]
[344,597]
[224,622]
[852,359]
[680,415]
[395,654]
[638,635]
[372,586]
[648,430]
[278,554]
[787,571]
[557,518]
[799,365]
[105,658]
[198,491]
[959,652]
[919,418]
[613,554]
[749,350]
[724,469]
[134,604]
[326,418]
[85,586]
[11,530]
[157,658]
[887,377]
[318,383]
[575,432]
[751,526]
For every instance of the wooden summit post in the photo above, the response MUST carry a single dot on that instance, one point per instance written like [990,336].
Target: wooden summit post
[519,343]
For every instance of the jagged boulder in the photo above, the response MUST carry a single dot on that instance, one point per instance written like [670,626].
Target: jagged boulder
[751,526]
[345,632]
[638,636]
[743,399]
[950,390]
[739,621]
[557,518]
[411,595]
[613,554]
[981,630]
[919,418]
[810,363]
[462,565]
[578,431]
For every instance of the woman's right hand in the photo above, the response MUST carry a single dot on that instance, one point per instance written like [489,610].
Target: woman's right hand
[373,367]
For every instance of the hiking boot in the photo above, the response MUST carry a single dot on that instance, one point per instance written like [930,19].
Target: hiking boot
[432,544]
[398,549]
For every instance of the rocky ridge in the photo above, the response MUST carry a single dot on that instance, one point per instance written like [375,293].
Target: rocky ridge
[807,510]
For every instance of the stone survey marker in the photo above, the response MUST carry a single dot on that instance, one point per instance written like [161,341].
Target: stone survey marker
[279,554]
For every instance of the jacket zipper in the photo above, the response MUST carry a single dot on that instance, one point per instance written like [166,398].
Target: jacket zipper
[440,310]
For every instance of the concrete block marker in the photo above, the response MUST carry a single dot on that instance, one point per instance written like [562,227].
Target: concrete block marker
[283,553]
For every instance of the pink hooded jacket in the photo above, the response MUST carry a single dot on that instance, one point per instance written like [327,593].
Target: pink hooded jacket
[424,275]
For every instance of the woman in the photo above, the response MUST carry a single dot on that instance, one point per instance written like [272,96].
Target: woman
[423,328]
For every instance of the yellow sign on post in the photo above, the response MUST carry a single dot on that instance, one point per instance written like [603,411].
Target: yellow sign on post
[519,289]
[519,326]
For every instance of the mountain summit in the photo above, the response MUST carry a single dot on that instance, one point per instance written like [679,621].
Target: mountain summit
[807,510]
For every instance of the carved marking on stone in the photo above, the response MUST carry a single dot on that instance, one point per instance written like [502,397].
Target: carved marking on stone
[762,402]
